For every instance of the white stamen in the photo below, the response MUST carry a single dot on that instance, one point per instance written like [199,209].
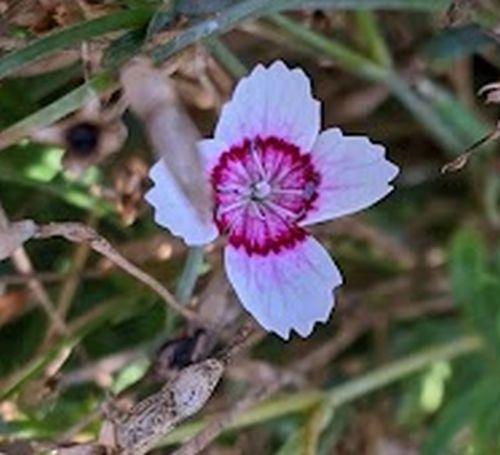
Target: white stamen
[282,211]
[261,190]
[289,191]
[258,210]
[257,160]
[221,210]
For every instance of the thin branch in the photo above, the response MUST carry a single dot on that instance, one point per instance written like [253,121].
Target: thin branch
[24,266]
[80,233]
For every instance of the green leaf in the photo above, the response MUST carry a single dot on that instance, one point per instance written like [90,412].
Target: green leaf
[123,48]
[475,289]
[468,265]
[457,42]
[248,9]
[461,121]
[39,167]
[74,34]
[415,5]
[451,123]
[461,411]
[56,110]
[161,18]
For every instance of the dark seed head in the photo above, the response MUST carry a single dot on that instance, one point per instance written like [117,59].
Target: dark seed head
[83,138]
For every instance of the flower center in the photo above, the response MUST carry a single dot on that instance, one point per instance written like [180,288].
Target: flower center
[263,189]
[260,190]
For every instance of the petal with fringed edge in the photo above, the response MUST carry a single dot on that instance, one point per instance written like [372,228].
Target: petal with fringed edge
[354,174]
[288,290]
[174,211]
[273,101]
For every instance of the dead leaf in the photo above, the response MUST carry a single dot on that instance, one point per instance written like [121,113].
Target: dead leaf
[130,182]
[141,428]
[171,131]
[14,235]
[492,92]
[87,137]
[460,12]
[12,304]
[459,162]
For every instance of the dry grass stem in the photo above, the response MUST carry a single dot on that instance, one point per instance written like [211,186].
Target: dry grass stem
[80,233]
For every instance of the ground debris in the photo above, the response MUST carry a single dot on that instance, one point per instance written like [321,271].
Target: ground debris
[14,235]
[142,427]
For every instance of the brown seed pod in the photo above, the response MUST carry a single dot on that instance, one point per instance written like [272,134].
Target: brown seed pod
[87,137]
[140,429]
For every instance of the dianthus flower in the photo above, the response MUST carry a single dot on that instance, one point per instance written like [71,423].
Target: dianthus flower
[273,173]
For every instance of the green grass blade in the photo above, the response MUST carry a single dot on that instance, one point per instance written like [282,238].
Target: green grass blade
[415,5]
[56,110]
[248,9]
[73,35]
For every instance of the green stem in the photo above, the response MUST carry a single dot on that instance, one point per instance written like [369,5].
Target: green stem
[230,61]
[344,56]
[408,5]
[423,112]
[189,275]
[373,38]
[247,9]
[351,61]
[400,369]
[343,394]
[73,35]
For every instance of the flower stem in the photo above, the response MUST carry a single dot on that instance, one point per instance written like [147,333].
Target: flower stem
[189,275]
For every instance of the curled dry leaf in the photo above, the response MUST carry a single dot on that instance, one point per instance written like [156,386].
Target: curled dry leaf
[460,162]
[140,429]
[492,92]
[179,353]
[130,183]
[171,131]
[460,12]
[14,235]
[88,137]
[12,304]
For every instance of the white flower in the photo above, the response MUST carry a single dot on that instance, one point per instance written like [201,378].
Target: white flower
[272,174]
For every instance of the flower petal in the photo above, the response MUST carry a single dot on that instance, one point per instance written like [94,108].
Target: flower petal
[210,151]
[274,101]
[288,290]
[354,175]
[174,211]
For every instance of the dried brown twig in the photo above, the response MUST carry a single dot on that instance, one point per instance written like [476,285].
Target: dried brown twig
[23,265]
[492,93]
[80,233]
[460,162]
